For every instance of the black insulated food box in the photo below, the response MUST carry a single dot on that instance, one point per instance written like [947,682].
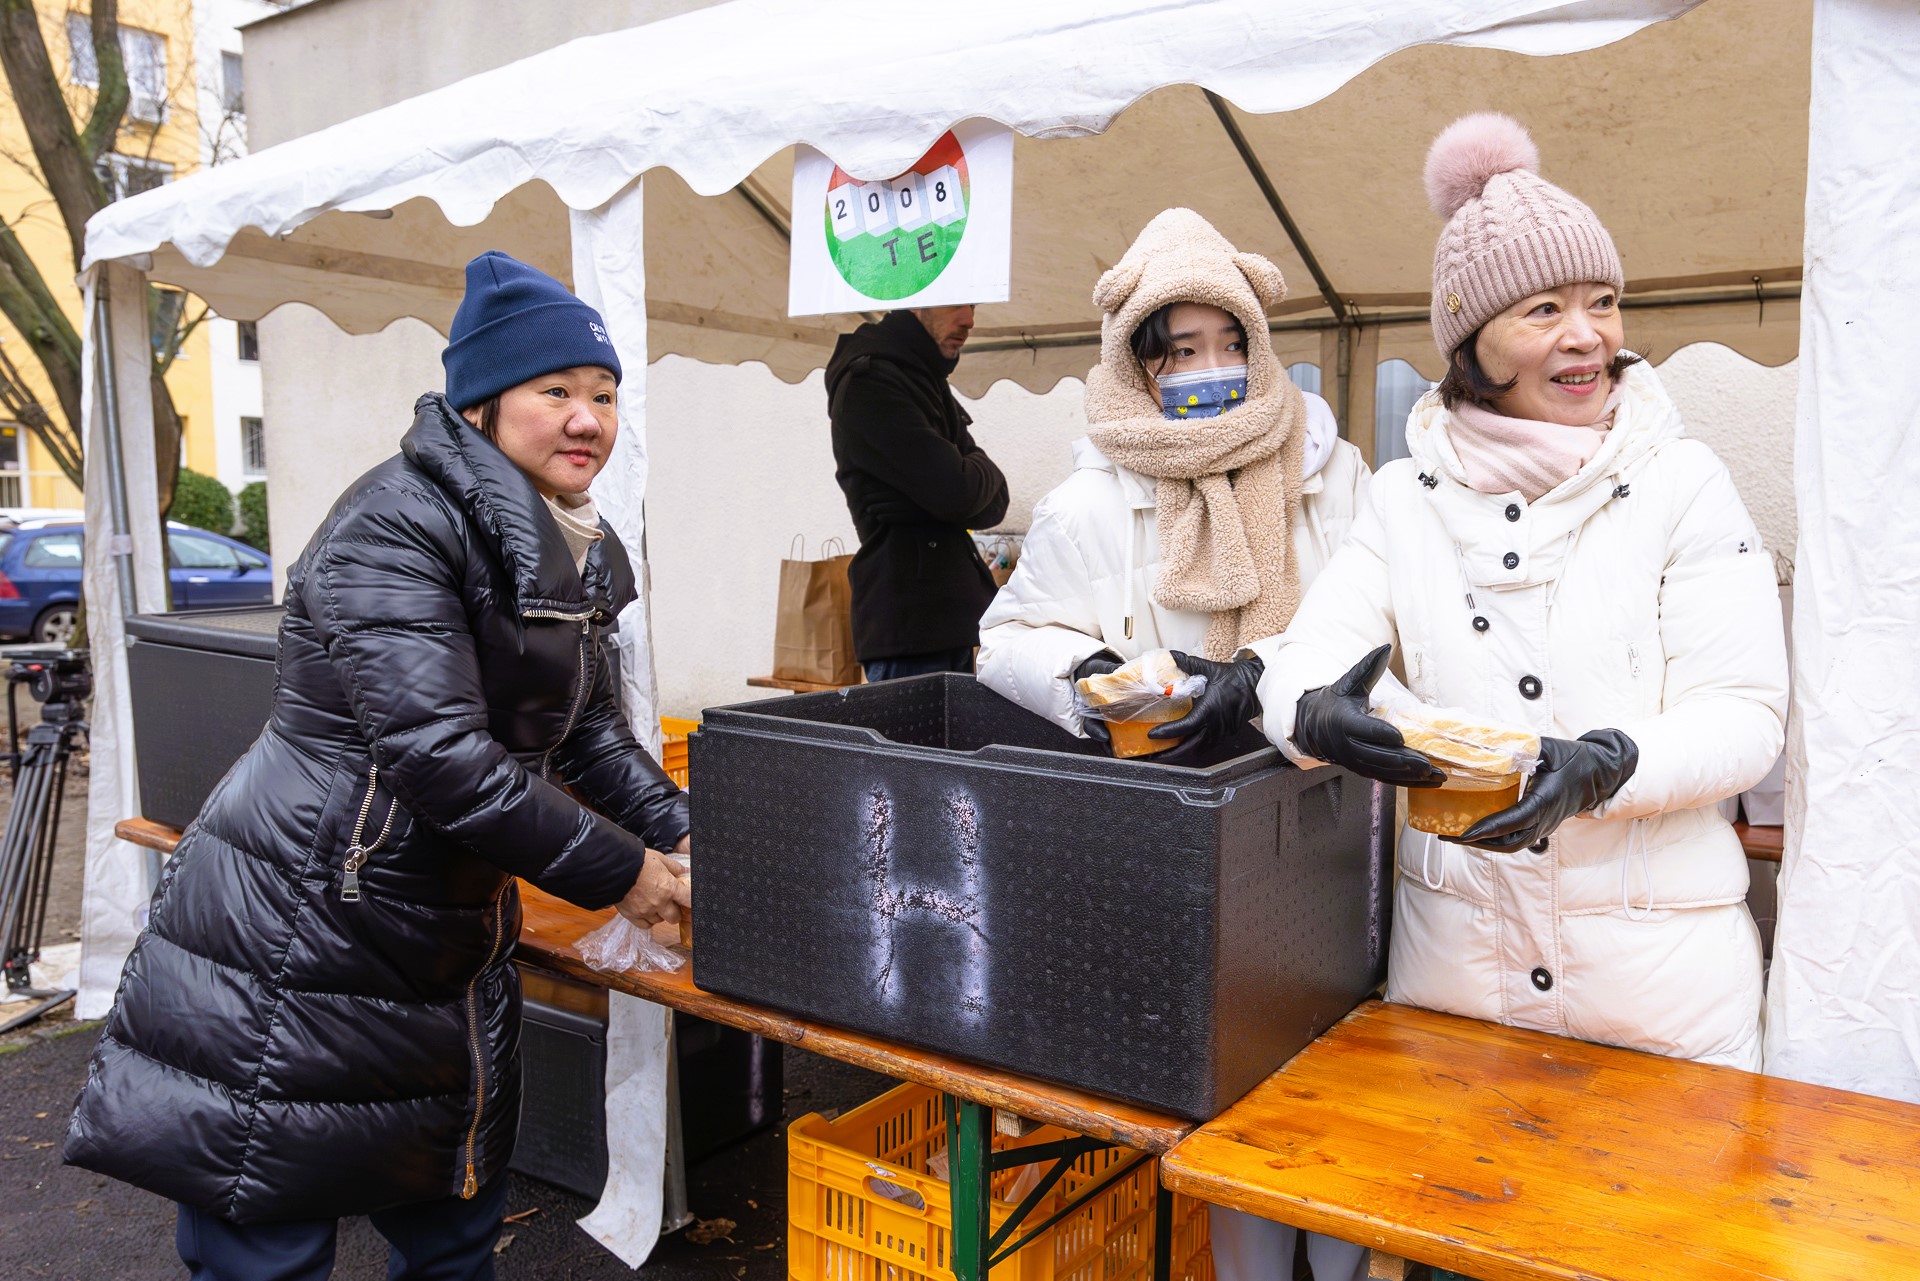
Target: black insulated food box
[202,687]
[924,861]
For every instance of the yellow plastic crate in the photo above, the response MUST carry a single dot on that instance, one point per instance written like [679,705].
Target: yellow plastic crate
[861,1205]
[673,746]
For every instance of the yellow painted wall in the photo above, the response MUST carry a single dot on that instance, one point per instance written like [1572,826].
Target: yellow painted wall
[25,204]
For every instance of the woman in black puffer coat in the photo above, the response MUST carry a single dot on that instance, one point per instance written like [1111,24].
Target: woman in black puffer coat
[321,1018]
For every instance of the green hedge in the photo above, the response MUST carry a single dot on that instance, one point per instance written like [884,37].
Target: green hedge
[253,515]
[202,502]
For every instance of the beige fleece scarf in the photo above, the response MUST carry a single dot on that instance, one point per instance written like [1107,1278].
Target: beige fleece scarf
[1227,498]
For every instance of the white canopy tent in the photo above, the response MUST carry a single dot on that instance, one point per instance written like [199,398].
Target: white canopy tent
[1298,128]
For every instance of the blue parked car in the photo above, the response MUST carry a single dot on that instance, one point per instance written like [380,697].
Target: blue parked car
[40,576]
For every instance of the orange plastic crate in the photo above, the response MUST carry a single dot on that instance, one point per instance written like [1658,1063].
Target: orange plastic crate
[673,746]
[861,1205]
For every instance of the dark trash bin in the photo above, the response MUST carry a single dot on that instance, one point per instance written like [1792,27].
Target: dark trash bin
[202,688]
[925,861]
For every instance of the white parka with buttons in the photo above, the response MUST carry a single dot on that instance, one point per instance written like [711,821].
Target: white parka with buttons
[1092,556]
[1635,596]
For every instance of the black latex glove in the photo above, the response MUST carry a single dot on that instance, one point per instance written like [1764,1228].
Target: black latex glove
[1221,709]
[1332,724]
[1096,665]
[1574,776]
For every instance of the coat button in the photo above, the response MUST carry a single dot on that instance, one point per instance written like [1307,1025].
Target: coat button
[1530,687]
[1513,511]
[1480,623]
[1511,560]
[1539,846]
[1541,979]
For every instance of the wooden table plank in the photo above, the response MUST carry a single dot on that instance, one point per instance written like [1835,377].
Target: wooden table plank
[1765,842]
[148,834]
[552,926]
[1511,1155]
[797,687]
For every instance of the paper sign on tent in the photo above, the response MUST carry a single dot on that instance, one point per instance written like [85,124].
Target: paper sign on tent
[939,233]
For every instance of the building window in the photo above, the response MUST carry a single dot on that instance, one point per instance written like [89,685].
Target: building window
[145,56]
[1396,386]
[125,176]
[233,85]
[164,309]
[249,342]
[253,446]
[1305,376]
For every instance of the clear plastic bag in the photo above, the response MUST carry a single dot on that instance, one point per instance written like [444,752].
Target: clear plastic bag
[1149,691]
[1472,751]
[620,945]
[1142,690]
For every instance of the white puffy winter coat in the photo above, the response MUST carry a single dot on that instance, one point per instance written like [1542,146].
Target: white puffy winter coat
[1635,596]
[1091,559]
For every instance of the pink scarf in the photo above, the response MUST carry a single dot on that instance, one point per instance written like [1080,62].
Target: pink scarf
[1502,455]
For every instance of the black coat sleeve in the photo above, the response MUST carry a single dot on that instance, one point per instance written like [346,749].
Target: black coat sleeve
[884,429]
[602,761]
[384,596]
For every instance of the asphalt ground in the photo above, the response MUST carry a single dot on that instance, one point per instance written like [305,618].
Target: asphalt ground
[66,1224]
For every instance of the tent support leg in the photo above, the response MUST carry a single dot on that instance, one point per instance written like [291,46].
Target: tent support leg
[121,546]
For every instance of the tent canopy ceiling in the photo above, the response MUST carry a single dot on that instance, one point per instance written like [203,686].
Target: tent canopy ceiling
[1328,106]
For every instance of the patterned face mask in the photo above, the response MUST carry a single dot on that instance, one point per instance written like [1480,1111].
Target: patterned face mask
[1202,393]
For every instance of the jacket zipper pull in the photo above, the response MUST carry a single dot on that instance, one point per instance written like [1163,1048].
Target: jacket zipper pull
[471,1186]
[350,882]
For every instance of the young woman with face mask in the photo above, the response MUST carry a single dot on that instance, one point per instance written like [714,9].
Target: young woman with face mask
[1208,492]
[321,1018]
[1555,555]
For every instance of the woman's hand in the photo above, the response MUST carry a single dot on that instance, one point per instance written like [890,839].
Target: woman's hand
[1219,712]
[1332,724]
[661,893]
[1573,777]
[1096,665]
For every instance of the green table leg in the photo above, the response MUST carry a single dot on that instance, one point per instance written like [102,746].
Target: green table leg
[1162,1232]
[969,1145]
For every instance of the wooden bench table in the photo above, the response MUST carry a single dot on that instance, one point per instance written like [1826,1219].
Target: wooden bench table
[551,926]
[1509,1155]
[792,687]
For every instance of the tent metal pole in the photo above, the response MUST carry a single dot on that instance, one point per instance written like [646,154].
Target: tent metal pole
[1279,206]
[1388,319]
[120,549]
[121,546]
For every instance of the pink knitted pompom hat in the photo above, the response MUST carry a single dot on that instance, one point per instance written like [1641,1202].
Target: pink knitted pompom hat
[1509,232]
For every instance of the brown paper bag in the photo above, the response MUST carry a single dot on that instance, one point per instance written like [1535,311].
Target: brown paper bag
[813,620]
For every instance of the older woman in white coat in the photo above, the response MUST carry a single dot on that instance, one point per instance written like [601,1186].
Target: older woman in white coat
[1207,493]
[1555,554]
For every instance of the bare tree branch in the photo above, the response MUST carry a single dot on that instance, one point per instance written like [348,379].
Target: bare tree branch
[66,163]
[163,361]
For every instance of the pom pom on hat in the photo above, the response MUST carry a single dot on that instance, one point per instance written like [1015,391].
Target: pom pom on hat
[1470,152]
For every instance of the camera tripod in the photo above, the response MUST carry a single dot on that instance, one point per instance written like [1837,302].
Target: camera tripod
[60,680]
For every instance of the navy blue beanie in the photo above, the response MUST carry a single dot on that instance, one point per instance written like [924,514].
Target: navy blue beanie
[516,323]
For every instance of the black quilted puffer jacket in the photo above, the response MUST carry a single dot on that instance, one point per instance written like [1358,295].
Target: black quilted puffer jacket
[320,1018]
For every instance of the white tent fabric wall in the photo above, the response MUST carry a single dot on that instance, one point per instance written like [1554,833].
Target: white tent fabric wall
[1844,996]
[118,881]
[609,274]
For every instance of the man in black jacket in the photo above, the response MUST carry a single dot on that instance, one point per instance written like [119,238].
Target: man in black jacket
[916,484]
